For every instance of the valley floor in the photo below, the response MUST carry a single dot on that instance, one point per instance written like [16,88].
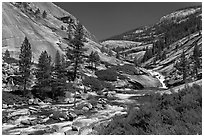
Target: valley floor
[36,119]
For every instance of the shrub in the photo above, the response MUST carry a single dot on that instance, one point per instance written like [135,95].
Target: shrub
[92,82]
[107,75]
[178,113]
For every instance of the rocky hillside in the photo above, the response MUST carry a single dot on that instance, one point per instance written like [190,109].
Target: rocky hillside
[44,33]
[165,40]
[50,33]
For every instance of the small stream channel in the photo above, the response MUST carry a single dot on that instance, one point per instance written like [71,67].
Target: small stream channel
[160,77]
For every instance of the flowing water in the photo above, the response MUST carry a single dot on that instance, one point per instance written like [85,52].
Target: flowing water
[159,76]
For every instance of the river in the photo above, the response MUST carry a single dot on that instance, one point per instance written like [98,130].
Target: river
[160,77]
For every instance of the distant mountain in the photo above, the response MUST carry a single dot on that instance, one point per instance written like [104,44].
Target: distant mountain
[161,44]
[179,23]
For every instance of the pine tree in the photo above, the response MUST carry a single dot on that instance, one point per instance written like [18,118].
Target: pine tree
[25,5]
[183,66]
[91,58]
[6,56]
[69,29]
[136,62]
[58,77]
[117,55]
[44,15]
[37,12]
[25,63]
[57,61]
[196,53]
[75,54]
[94,58]
[103,49]
[43,74]
[62,27]
[110,52]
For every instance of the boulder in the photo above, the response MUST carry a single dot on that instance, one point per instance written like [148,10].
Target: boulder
[71,132]
[99,106]
[36,101]
[71,116]
[77,96]
[84,96]
[33,122]
[112,92]
[26,122]
[32,108]
[58,115]
[85,109]
[75,128]
[4,106]
[44,120]
[79,111]
[30,101]
[55,128]
[61,119]
[69,100]
[81,104]
[20,112]
[102,100]
[89,106]
[48,100]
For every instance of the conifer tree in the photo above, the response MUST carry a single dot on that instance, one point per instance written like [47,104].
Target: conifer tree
[183,66]
[37,12]
[110,52]
[6,55]
[196,59]
[25,63]
[103,49]
[117,55]
[44,15]
[76,53]
[69,29]
[91,58]
[136,62]
[43,74]
[58,77]
[94,58]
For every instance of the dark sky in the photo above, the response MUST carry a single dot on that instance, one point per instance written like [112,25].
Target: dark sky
[105,19]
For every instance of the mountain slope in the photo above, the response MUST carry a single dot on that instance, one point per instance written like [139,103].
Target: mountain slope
[43,33]
[164,42]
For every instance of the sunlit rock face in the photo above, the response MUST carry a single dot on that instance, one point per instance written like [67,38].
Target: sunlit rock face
[43,33]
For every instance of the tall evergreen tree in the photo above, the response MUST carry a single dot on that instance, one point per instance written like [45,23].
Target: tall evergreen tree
[184,66]
[37,12]
[58,77]
[44,15]
[6,55]
[43,74]
[25,63]
[110,52]
[76,53]
[117,55]
[69,29]
[196,53]
[94,58]
[103,49]
[136,62]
